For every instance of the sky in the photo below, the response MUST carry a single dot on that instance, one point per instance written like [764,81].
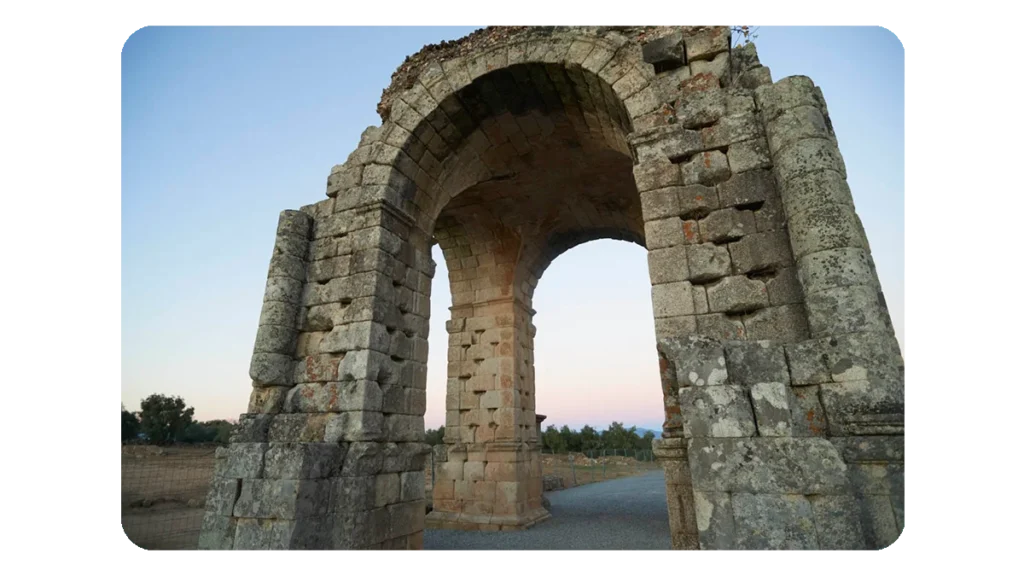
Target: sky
[222,128]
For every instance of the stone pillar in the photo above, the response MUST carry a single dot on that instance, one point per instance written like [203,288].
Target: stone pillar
[330,451]
[672,455]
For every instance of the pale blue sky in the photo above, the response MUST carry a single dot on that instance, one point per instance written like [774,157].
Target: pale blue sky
[222,128]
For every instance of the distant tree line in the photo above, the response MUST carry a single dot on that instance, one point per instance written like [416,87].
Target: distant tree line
[166,420]
[615,437]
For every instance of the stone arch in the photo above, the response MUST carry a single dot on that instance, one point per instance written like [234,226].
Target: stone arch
[772,331]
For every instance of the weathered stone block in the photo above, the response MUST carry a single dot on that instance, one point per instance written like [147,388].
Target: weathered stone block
[664,233]
[836,268]
[294,223]
[696,201]
[751,363]
[864,356]
[707,43]
[727,225]
[716,411]
[217,532]
[675,326]
[283,289]
[715,520]
[808,416]
[707,262]
[672,299]
[721,327]
[708,168]
[717,67]
[698,361]
[267,400]
[808,361]
[362,459]
[668,265]
[846,309]
[748,188]
[220,500]
[654,175]
[698,109]
[771,407]
[838,522]
[754,77]
[819,189]
[862,407]
[263,534]
[749,155]
[275,339]
[299,461]
[356,336]
[797,124]
[763,251]
[358,426]
[251,428]
[767,465]
[786,94]
[826,228]
[364,365]
[773,522]
[806,156]
[297,428]
[870,448]
[283,499]
[244,460]
[404,427]
[737,295]
[732,130]
[361,395]
[412,485]
[666,142]
[781,323]
[316,368]
[667,51]
[784,287]
[661,203]
[279,314]
[270,369]
[878,521]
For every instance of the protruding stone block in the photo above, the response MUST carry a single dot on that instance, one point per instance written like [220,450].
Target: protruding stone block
[748,188]
[727,225]
[763,251]
[737,295]
[707,168]
[708,262]
[771,406]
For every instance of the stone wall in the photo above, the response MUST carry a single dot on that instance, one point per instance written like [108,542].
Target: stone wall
[782,380]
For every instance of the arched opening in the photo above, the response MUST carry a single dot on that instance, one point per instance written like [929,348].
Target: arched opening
[535,162]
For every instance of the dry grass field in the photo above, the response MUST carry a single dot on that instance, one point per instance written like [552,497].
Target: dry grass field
[163,489]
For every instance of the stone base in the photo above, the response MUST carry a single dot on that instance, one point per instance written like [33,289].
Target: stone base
[438,520]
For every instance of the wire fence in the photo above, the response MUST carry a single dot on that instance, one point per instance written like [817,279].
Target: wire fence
[568,469]
[163,494]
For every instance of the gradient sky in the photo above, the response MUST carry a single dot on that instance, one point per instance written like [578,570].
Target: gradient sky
[222,128]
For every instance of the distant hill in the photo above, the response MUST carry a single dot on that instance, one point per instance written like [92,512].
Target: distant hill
[642,431]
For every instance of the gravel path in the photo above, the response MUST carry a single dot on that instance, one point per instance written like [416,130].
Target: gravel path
[624,514]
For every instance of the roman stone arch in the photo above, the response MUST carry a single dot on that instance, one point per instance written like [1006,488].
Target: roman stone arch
[781,376]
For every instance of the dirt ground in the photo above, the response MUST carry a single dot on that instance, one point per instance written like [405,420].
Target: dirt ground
[163,489]
[163,492]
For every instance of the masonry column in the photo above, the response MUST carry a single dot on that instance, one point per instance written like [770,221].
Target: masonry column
[491,480]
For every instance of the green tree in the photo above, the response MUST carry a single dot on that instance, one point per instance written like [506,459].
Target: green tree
[589,439]
[571,439]
[164,419]
[553,440]
[218,431]
[129,425]
[434,437]
[647,442]
[618,437]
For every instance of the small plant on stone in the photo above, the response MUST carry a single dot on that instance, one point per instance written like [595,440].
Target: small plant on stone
[744,34]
